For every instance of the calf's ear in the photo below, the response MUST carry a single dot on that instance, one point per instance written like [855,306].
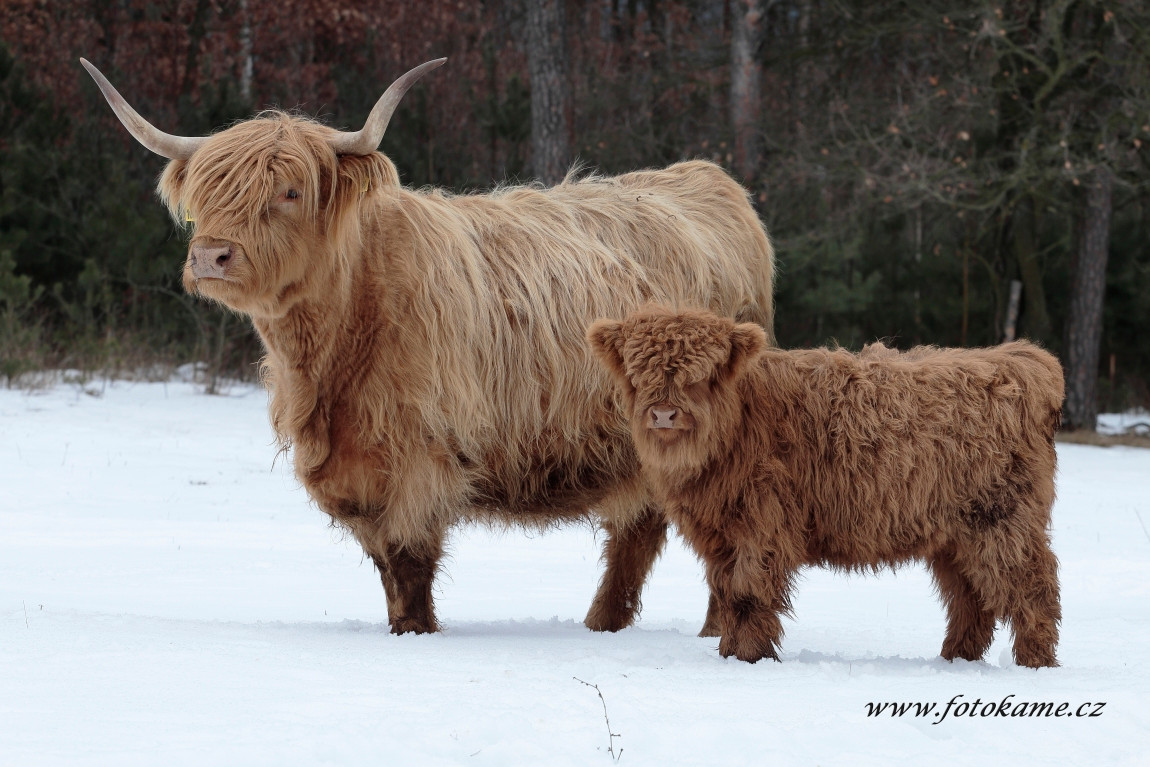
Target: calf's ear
[748,342]
[606,338]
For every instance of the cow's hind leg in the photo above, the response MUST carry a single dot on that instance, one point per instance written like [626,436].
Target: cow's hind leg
[407,573]
[969,624]
[629,553]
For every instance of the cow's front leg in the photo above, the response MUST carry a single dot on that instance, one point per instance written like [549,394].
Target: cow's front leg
[629,553]
[407,573]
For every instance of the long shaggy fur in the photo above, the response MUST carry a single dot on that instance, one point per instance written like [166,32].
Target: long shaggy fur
[426,354]
[769,460]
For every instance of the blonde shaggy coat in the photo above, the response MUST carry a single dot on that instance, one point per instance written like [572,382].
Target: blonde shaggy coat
[426,352]
[769,460]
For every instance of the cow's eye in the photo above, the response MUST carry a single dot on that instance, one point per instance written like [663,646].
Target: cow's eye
[291,194]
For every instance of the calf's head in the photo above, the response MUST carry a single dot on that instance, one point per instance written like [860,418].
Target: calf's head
[272,203]
[677,373]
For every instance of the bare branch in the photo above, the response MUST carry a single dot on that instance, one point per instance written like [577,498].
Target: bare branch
[612,735]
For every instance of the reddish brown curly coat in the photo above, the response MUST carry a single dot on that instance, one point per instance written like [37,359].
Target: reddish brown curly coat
[769,460]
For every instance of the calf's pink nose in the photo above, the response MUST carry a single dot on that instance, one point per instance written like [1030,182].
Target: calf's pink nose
[663,417]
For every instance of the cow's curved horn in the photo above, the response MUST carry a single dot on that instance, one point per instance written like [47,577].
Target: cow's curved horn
[163,144]
[366,140]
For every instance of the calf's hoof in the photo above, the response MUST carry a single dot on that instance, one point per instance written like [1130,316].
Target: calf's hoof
[747,650]
[603,618]
[611,623]
[1043,659]
[412,626]
[963,653]
[710,630]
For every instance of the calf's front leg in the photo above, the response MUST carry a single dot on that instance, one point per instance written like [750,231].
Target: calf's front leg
[752,586]
[751,565]
[750,619]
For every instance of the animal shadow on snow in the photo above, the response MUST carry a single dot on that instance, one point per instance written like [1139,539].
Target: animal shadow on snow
[895,664]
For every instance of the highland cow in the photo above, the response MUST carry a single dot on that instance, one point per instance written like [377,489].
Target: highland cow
[768,460]
[426,356]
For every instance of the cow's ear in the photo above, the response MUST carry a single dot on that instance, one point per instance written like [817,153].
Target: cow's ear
[358,180]
[360,176]
[607,338]
[748,343]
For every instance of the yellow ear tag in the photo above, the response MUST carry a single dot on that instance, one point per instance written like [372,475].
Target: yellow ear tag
[366,185]
[188,217]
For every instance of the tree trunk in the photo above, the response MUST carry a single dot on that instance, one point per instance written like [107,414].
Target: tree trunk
[246,58]
[1035,319]
[1009,331]
[747,35]
[1087,288]
[550,93]
[196,31]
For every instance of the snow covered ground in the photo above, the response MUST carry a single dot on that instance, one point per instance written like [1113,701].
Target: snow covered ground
[168,596]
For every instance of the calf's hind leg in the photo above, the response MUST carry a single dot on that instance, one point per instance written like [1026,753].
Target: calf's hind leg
[712,626]
[1034,608]
[969,624]
[1015,574]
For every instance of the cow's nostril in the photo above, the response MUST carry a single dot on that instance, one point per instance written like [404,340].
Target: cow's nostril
[224,257]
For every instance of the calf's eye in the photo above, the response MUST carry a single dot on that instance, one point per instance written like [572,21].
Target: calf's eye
[291,194]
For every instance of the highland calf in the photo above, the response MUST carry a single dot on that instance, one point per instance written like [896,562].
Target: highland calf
[426,352]
[769,460]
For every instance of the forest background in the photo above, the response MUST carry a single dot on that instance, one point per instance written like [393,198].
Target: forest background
[912,159]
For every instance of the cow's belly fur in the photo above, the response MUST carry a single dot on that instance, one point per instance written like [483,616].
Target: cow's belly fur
[414,495]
